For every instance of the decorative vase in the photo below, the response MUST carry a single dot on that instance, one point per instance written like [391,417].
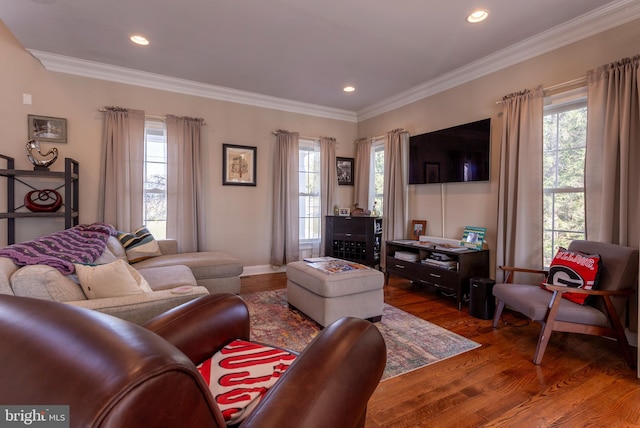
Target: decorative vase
[45,200]
[44,164]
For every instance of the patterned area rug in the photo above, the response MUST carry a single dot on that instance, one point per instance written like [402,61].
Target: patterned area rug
[412,343]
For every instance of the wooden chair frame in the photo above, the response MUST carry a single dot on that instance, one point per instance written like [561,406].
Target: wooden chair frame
[550,324]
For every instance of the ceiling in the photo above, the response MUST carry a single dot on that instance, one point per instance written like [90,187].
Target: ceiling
[302,51]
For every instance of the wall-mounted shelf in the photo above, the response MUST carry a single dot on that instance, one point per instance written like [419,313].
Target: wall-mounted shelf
[68,181]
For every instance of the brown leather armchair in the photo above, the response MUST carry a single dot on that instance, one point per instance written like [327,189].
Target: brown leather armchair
[113,373]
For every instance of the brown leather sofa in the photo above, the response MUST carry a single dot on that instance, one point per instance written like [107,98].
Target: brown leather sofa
[113,373]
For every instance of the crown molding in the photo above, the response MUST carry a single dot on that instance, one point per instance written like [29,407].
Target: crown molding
[101,71]
[609,16]
[597,21]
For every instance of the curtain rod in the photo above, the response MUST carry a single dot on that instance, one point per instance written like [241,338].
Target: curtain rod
[578,82]
[150,116]
[300,136]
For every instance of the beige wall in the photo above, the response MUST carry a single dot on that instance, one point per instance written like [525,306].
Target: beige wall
[238,217]
[475,204]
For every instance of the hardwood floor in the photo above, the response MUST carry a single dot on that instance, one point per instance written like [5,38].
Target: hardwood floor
[582,381]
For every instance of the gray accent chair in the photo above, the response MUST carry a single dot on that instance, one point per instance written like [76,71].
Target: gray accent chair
[604,312]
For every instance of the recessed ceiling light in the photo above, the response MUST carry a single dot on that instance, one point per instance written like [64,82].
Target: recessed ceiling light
[139,40]
[478,16]
[349,89]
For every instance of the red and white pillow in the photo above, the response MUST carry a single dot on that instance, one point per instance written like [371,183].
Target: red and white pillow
[574,270]
[241,373]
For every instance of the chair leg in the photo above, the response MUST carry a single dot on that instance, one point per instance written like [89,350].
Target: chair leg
[618,329]
[498,314]
[547,327]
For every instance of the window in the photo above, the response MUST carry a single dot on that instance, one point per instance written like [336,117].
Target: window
[564,147]
[309,188]
[377,171]
[155,178]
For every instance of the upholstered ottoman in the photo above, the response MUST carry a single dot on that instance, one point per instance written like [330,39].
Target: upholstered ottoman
[327,297]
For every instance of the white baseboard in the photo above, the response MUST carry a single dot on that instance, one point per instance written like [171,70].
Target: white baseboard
[262,270]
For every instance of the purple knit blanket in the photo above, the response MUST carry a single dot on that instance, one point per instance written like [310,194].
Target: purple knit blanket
[80,244]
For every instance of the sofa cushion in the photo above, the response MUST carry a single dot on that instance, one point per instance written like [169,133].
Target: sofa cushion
[168,277]
[7,268]
[139,245]
[46,282]
[115,247]
[110,280]
[204,264]
[241,373]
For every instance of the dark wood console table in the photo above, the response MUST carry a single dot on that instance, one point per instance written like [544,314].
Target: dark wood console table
[454,275]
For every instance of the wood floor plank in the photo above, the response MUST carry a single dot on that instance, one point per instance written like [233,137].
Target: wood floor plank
[583,381]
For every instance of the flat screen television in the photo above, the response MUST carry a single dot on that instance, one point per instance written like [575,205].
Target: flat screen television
[457,154]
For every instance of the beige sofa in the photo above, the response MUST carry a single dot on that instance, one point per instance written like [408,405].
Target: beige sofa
[174,278]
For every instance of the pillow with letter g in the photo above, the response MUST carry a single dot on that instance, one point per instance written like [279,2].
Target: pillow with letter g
[574,270]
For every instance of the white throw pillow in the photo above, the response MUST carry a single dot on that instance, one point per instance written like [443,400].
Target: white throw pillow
[111,280]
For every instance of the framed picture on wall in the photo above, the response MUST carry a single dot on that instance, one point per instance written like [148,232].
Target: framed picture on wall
[46,128]
[239,165]
[345,171]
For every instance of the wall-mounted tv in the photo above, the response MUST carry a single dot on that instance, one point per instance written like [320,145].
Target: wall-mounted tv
[457,154]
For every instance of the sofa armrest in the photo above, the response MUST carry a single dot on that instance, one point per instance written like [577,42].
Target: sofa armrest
[168,246]
[139,308]
[201,327]
[330,383]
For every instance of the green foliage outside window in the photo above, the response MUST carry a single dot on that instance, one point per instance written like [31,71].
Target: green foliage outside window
[563,179]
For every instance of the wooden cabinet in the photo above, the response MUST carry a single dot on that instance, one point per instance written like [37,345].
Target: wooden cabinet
[67,179]
[436,266]
[355,238]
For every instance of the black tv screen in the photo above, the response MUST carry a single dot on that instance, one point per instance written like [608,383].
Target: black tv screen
[457,154]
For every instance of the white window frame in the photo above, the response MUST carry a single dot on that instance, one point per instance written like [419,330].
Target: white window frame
[555,104]
[310,244]
[155,131]
[377,146]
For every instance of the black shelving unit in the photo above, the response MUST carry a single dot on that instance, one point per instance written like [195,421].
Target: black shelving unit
[354,238]
[69,182]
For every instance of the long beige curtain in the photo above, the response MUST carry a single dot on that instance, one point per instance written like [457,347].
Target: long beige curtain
[328,183]
[121,177]
[612,175]
[519,239]
[184,182]
[362,166]
[394,210]
[285,233]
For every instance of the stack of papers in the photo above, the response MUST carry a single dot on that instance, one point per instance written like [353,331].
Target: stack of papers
[407,256]
[445,264]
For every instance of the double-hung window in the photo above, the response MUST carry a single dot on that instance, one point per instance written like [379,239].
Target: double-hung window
[155,178]
[564,148]
[310,219]
[377,175]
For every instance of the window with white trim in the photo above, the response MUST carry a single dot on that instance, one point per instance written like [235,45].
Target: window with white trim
[155,178]
[310,219]
[564,148]
[377,175]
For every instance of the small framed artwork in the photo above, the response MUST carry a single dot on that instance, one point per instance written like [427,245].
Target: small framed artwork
[239,165]
[344,212]
[473,237]
[432,172]
[345,171]
[418,227]
[46,128]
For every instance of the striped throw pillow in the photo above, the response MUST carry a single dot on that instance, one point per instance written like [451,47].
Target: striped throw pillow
[241,373]
[139,245]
